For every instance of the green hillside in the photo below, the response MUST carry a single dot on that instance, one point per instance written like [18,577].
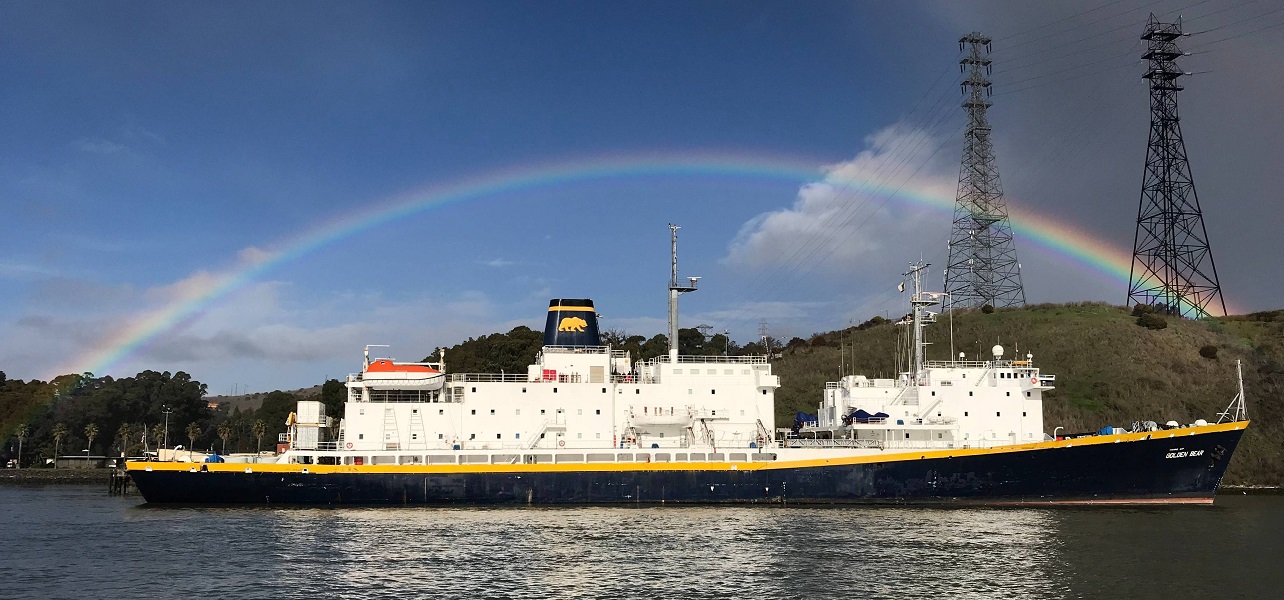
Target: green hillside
[1110,370]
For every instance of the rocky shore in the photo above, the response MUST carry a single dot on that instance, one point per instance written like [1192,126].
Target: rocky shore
[55,476]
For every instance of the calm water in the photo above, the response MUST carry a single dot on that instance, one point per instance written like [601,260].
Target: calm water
[76,542]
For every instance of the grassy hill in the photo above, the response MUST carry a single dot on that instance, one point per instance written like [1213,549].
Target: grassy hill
[1110,370]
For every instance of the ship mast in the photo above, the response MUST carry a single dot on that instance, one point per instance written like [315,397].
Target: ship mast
[674,290]
[920,318]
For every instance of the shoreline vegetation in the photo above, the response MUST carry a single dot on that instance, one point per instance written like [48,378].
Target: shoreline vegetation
[1113,367]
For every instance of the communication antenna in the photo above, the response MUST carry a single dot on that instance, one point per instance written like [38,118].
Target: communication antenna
[982,267]
[1172,263]
[676,289]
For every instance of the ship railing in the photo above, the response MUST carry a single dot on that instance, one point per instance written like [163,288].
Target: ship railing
[632,379]
[832,443]
[576,349]
[491,378]
[741,360]
[957,364]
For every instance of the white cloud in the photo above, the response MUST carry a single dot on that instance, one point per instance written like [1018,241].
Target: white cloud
[497,263]
[253,255]
[865,211]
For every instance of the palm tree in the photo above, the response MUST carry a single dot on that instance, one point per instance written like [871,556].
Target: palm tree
[158,435]
[91,432]
[225,432]
[123,433]
[260,429]
[22,435]
[193,432]
[59,432]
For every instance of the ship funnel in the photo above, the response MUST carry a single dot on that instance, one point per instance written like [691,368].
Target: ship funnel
[571,322]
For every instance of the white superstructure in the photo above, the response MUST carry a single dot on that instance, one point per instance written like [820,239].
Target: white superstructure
[588,397]
[934,404]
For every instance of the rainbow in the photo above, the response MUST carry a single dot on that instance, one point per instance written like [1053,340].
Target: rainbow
[1058,236]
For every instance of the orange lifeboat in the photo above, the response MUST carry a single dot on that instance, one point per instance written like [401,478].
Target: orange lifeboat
[387,373]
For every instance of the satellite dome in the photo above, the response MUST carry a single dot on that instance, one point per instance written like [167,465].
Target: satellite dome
[997,350]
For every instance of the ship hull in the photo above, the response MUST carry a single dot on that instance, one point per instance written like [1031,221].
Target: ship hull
[1154,469]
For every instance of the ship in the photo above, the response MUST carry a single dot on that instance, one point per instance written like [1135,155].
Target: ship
[590,424]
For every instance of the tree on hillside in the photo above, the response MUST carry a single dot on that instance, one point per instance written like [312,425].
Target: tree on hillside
[22,436]
[224,432]
[259,428]
[91,432]
[123,433]
[658,345]
[277,405]
[193,432]
[333,395]
[158,434]
[59,432]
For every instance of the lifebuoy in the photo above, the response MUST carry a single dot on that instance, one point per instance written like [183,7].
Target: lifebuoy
[349,445]
[561,442]
[1034,380]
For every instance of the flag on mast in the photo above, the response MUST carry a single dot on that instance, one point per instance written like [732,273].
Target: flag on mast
[901,288]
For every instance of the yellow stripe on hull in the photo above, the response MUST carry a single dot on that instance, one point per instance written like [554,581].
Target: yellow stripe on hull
[582,467]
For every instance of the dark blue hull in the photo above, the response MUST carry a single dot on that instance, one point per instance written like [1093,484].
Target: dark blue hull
[1134,471]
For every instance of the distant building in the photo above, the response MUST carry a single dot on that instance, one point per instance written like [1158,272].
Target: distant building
[82,462]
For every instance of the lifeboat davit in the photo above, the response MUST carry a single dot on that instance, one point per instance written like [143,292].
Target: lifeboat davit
[384,373]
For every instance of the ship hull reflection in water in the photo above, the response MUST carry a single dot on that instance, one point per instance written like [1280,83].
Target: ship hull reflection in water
[706,552]
[714,552]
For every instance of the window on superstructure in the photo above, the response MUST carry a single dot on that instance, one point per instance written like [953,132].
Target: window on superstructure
[474,389]
[361,436]
[441,411]
[637,391]
[997,414]
[474,411]
[441,436]
[554,390]
[579,436]
[541,411]
[492,411]
[579,411]
[712,392]
[414,411]
[519,412]
[414,436]
[1007,393]
[497,436]
[523,390]
[933,393]
[965,413]
[599,411]
[472,436]
[969,393]
[764,392]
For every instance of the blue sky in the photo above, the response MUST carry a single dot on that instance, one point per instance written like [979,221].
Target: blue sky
[148,146]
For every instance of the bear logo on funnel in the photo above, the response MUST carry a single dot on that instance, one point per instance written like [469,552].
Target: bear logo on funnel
[575,324]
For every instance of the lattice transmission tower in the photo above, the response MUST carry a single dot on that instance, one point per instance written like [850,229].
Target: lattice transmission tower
[982,267]
[1172,264]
